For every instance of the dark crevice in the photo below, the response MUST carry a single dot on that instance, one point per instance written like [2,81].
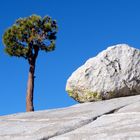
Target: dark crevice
[115,64]
[86,122]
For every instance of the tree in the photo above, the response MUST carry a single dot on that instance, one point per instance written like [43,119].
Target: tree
[25,39]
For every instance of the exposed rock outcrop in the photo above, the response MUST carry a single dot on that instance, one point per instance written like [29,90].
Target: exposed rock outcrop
[113,73]
[103,120]
[122,126]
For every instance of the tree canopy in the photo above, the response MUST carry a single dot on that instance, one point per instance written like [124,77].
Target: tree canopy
[26,34]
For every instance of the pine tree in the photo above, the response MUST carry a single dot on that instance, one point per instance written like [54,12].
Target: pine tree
[25,39]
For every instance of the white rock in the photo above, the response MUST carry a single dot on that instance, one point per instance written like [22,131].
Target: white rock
[42,125]
[135,107]
[114,72]
[121,126]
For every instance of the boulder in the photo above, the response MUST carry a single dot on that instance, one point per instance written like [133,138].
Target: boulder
[115,72]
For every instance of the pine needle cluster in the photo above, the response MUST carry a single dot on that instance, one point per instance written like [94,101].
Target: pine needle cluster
[29,33]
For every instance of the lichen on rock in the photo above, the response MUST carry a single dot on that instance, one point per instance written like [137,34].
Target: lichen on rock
[84,96]
[115,72]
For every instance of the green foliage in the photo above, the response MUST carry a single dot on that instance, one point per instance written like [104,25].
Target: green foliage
[28,34]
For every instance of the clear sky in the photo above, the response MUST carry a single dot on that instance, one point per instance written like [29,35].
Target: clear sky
[86,27]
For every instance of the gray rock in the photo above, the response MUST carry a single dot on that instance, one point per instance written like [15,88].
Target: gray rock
[121,126]
[114,72]
[42,125]
[135,107]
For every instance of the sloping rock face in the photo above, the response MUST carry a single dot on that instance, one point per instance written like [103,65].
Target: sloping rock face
[114,119]
[113,73]
[122,126]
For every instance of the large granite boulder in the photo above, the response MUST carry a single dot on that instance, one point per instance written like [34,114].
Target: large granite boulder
[115,72]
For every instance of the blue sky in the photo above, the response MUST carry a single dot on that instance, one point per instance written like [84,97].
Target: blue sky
[86,27]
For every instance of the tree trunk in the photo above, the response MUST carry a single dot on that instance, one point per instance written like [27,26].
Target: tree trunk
[30,86]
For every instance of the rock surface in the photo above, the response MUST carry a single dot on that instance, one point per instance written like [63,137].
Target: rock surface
[122,126]
[103,120]
[114,72]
